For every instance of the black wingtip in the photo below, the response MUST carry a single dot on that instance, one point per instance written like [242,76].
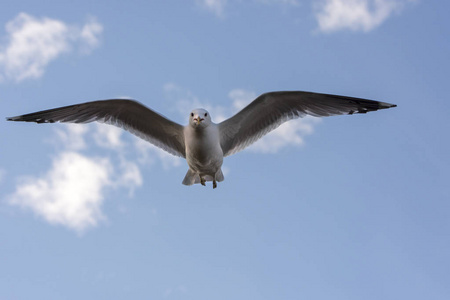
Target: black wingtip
[16,118]
[386,105]
[25,118]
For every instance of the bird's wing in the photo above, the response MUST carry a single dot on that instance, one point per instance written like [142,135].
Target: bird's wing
[270,110]
[127,114]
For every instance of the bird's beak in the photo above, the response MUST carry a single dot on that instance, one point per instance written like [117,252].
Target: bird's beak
[198,120]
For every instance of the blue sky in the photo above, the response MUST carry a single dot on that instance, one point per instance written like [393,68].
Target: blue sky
[349,207]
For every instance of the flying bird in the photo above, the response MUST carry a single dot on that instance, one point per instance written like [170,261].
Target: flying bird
[202,142]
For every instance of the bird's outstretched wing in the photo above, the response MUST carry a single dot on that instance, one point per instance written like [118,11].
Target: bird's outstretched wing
[270,110]
[127,114]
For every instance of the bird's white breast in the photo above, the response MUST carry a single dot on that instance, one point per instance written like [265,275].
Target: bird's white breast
[203,151]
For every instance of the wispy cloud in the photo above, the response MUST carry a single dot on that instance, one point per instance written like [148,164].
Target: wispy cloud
[281,2]
[32,43]
[149,154]
[216,7]
[108,136]
[90,35]
[130,176]
[355,15]
[179,290]
[240,98]
[71,137]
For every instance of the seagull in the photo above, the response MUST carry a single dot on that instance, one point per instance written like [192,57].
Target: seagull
[202,142]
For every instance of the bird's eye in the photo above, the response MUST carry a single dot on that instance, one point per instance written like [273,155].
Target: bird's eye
[206,114]
[192,114]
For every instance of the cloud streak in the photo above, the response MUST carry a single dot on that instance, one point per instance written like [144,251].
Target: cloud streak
[32,43]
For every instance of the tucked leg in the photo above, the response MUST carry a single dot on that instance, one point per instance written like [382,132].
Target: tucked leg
[214,184]
[202,180]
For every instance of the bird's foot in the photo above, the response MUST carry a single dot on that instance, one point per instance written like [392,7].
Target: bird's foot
[202,181]
[214,184]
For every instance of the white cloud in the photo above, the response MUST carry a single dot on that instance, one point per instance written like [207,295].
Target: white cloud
[241,98]
[355,15]
[71,136]
[70,193]
[290,133]
[90,35]
[32,43]
[130,176]
[108,136]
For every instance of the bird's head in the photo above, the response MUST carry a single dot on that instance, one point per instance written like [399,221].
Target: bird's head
[199,118]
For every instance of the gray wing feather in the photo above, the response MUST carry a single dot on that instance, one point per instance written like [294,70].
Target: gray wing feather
[270,110]
[127,114]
